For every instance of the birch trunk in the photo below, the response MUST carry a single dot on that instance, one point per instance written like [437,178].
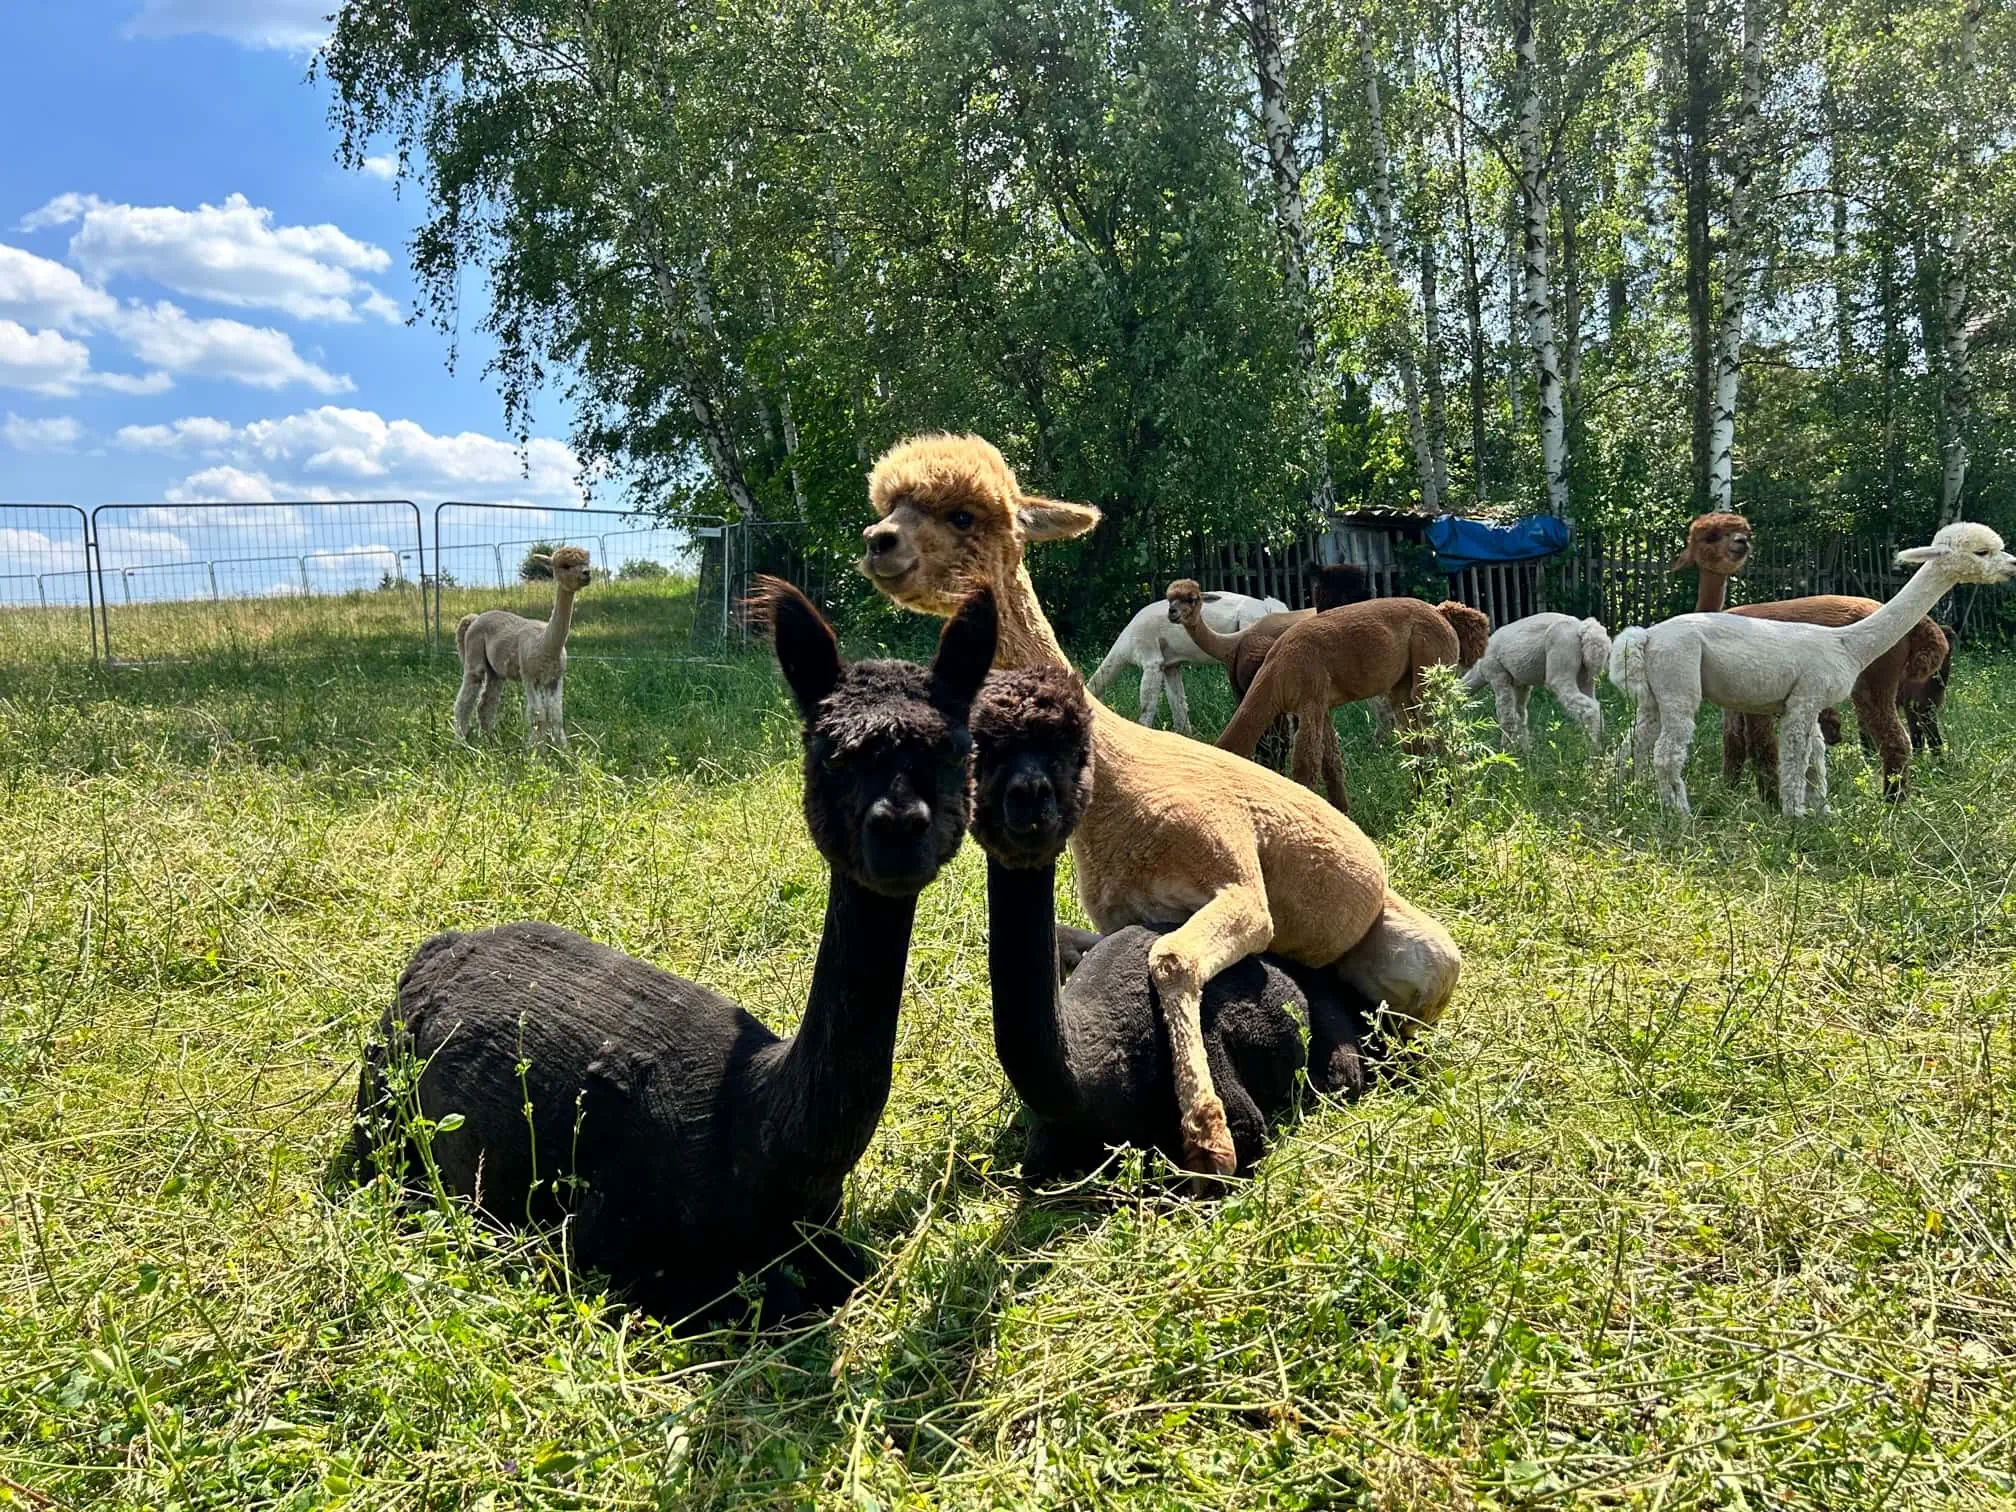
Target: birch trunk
[1435,401]
[1270,67]
[1539,296]
[1736,270]
[715,437]
[1388,237]
[1700,315]
[1473,293]
[1957,398]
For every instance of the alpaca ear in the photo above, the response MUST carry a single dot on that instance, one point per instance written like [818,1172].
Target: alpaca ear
[1053,519]
[1913,556]
[1684,560]
[807,653]
[1212,598]
[965,653]
[542,556]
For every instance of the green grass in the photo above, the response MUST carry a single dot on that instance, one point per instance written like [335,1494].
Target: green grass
[1701,1195]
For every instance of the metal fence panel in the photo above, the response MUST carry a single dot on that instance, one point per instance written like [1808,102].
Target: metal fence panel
[179,580]
[48,600]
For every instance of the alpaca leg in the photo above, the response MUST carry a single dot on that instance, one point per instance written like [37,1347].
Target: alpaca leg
[557,726]
[493,698]
[1382,721]
[1816,771]
[1760,738]
[1179,701]
[1524,697]
[1308,765]
[1669,751]
[1511,718]
[1735,746]
[1876,712]
[1406,961]
[1565,677]
[535,710]
[1830,727]
[1232,926]
[1151,693]
[466,698]
[1333,769]
[1793,763]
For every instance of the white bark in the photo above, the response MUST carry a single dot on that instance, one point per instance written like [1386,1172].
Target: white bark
[1388,237]
[1957,401]
[1435,413]
[715,437]
[791,453]
[1538,296]
[1736,269]
[1270,67]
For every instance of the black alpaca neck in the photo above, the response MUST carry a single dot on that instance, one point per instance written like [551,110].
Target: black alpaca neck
[830,1080]
[1029,1031]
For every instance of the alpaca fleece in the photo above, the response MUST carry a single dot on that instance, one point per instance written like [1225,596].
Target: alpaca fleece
[1555,651]
[1091,1059]
[1176,830]
[686,1145]
[1162,650]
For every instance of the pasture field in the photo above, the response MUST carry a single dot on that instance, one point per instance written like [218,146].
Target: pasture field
[1703,1195]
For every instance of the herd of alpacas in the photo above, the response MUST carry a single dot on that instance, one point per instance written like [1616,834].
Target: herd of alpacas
[697,1161]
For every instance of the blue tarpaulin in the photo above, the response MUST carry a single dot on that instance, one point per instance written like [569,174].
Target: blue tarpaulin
[1459,543]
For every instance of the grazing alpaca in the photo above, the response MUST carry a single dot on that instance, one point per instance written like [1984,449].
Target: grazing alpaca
[498,646]
[1370,650]
[1241,654]
[683,1142]
[1556,651]
[1782,667]
[1176,830]
[1090,1060]
[1921,698]
[1719,547]
[1162,650]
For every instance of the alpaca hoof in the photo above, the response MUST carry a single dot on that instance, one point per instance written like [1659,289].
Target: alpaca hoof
[1207,1143]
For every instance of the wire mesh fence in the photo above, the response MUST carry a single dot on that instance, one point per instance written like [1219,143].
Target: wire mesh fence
[48,600]
[174,581]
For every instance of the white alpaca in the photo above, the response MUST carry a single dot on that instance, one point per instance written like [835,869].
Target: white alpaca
[1162,649]
[1753,666]
[1557,651]
[498,646]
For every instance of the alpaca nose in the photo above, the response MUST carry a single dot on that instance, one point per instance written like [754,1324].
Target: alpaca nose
[881,537]
[1026,800]
[900,814]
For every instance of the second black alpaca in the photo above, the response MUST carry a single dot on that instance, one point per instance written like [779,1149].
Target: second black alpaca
[1090,1057]
[683,1143]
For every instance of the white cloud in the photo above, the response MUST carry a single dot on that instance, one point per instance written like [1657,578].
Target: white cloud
[123,546]
[334,452]
[42,362]
[166,336]
[45,293]
[287,25]
[222,485]
[231,254]
[382,165]
[58,433]
[24,552]
[192,433]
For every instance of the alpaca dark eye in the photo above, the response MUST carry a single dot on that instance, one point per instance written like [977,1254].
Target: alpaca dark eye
[962,519]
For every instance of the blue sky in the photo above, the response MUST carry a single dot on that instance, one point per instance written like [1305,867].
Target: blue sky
[196,302]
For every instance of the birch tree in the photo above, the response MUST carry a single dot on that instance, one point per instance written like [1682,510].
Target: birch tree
[1957,398]
[1736,272]
[1537,294]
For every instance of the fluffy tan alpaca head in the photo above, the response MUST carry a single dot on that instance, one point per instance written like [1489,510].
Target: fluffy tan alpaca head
[1717,543]
[570,567]
[1186,601]
[949,514]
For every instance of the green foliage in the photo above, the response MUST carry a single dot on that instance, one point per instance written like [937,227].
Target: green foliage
[642,569]
[535,566]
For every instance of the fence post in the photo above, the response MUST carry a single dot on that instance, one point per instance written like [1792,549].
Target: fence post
[212,566]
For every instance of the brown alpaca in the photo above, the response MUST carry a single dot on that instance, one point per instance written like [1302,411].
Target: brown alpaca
[1175,830]
[1378,649]
[1719,547]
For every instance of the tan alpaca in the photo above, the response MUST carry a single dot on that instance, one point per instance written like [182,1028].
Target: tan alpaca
[1377,649]
[1176,830]
[1241,652]
[1719,547]
[498,646]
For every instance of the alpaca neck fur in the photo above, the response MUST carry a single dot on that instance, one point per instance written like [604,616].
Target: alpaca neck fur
[1869,638]
[827,1084]
[1031,1035]
[554,639]
[1025,638]
[1711,596]
[1223,648]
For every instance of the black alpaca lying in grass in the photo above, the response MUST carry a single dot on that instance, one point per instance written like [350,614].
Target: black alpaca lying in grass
[1090,1058]
[685,1143]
